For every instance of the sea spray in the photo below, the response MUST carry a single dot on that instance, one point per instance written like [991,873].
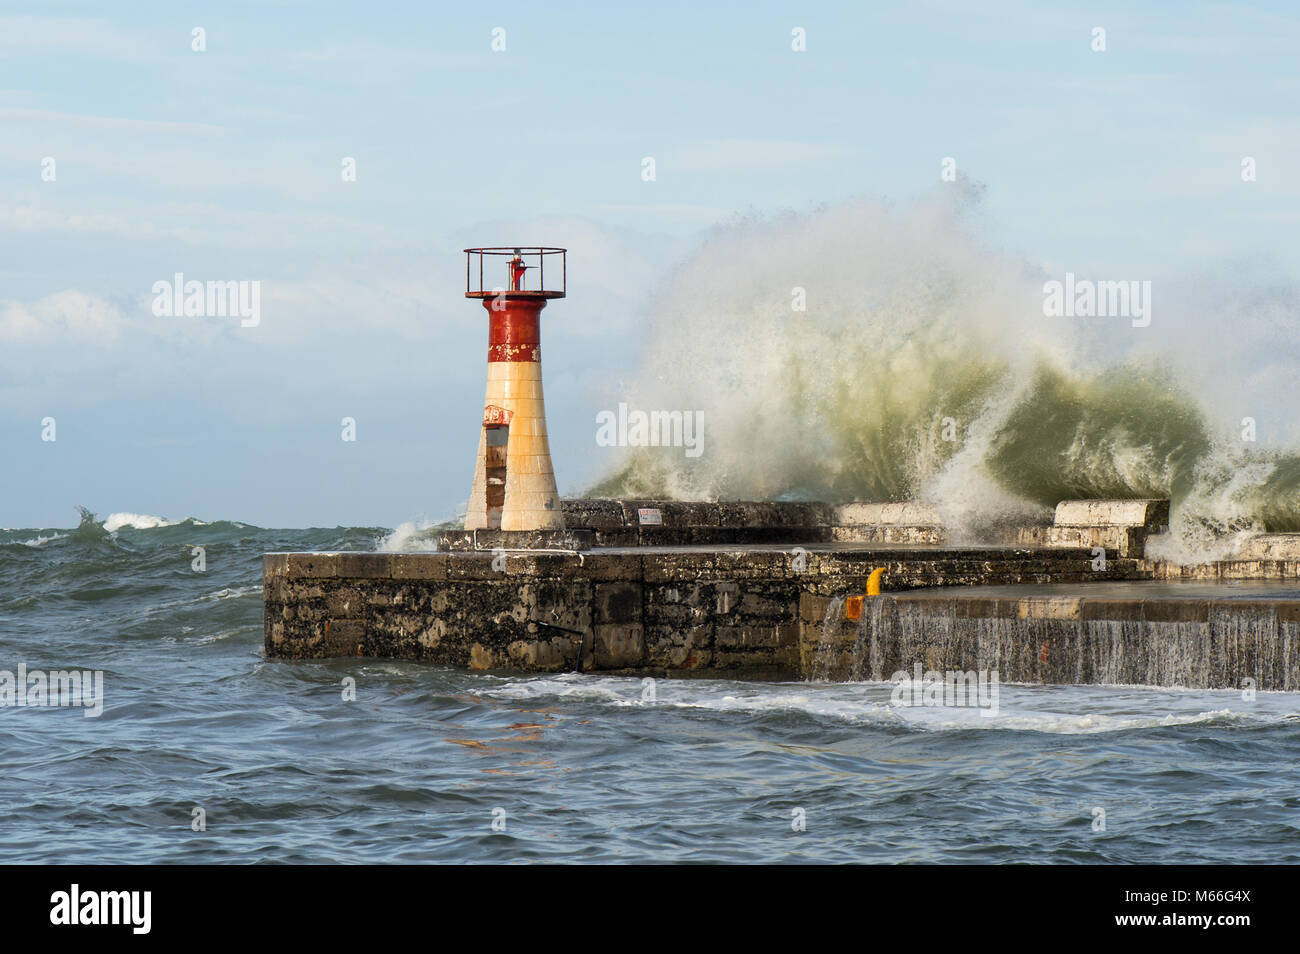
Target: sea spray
[413,535]
[923,367]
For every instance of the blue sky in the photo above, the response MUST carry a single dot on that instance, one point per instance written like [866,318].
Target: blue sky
[225,165]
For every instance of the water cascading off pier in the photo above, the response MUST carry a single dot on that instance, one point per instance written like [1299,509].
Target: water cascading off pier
[1186,635]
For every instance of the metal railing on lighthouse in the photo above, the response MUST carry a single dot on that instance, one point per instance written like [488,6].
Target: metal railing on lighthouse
[496,270]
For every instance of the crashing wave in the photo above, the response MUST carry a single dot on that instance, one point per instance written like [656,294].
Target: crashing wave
[924,368]
[135,521]
[413,535]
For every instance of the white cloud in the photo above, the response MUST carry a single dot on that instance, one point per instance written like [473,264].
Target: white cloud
[64,314]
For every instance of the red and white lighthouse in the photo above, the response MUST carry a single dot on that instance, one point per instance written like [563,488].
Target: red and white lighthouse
[514,482]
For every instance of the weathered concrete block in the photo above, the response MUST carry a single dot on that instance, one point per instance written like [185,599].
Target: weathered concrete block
[545,655]
[1050,607]
[365,566]
[344,637]
[1121,524]
[563,605]
[673,647]
[310,566]
[1095,608]
[593,514]
[345,602]
[617,603]
[1175,610]
[619,645]
[898,514]
[1269,546]
[626,537]
[531,564]
[612,566]
[888,536]
[812,606]
[733,564]
[567,539]
[481,657]
[768,602]
[674,513]
[418,566]
[678,566]
[275,567]
[756,636]
[693,600]
[474,566]
[1152,514]
[751,514]
[981,608]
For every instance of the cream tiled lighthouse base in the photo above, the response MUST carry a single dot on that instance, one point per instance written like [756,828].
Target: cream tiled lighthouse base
[531,499]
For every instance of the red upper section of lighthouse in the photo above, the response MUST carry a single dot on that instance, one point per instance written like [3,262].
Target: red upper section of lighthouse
[509,271]
[514,329]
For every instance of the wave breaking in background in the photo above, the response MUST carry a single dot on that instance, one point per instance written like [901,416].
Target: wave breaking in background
[924,368]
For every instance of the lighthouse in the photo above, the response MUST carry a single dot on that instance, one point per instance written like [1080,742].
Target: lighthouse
[514,482]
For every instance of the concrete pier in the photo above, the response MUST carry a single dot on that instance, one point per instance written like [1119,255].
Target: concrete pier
[739,610]
[635,586]
[757,591]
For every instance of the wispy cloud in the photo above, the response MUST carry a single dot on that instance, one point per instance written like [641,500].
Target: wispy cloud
[691,214]
[82,37]
[30,218]
[111,122]
[363,53]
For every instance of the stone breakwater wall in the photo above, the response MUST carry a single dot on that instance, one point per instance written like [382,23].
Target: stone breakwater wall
[756,590]
[743,612]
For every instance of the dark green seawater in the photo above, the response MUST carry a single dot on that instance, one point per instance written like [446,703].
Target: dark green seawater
[581,768]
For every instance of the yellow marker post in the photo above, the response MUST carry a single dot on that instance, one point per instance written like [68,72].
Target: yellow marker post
[853,604]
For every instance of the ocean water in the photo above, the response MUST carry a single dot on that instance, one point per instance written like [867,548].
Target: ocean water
[572,767]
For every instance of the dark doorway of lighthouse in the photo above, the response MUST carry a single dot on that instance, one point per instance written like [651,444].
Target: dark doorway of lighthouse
[498,436]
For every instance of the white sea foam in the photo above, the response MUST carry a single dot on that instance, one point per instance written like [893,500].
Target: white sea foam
[1059,710]
[135,521]
[412,535]
[226,634]
[231,594]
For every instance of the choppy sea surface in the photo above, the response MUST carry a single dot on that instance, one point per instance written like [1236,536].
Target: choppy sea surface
[279,767]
